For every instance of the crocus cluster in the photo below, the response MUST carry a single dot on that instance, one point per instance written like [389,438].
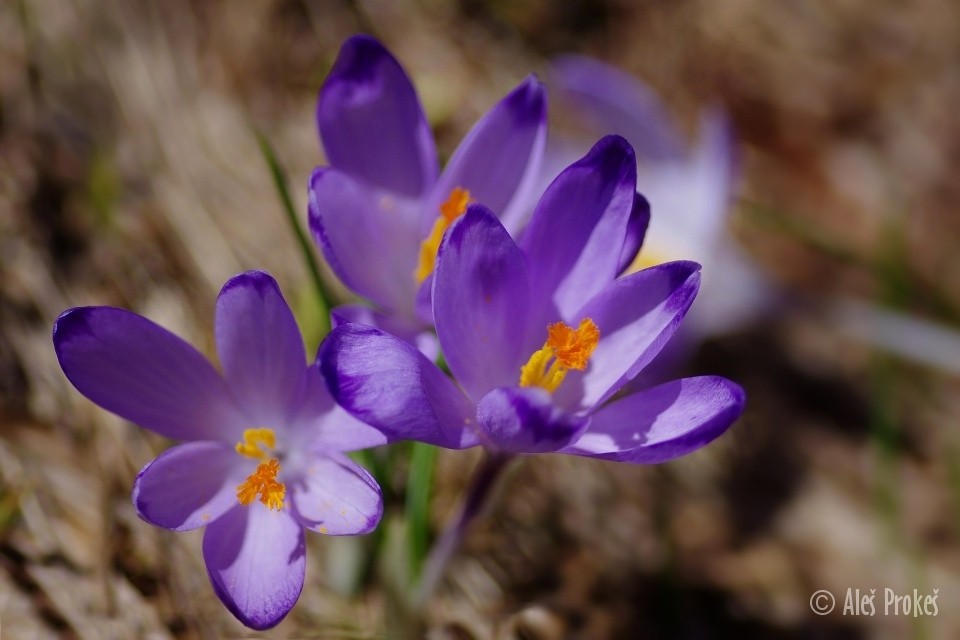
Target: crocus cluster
[540,335]
[540,322]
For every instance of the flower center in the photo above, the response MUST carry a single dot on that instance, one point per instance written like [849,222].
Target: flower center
[565,348]
[259,444]
[450,210]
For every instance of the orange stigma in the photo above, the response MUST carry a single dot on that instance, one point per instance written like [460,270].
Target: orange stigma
[565,348]
[263,483]
[450,210]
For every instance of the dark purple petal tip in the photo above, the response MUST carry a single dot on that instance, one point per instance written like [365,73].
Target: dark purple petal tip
[614,158]
[358,59]
[636,231]
[528,102]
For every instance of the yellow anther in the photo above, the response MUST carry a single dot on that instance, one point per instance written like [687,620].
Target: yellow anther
[257,443]
[454,207]
[565,348]
[263,483]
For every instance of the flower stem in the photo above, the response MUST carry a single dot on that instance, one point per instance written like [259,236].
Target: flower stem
[484,479]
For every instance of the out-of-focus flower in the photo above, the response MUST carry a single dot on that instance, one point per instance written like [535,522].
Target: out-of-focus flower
[689,189]
[263,458]
[540,336]
[380,209]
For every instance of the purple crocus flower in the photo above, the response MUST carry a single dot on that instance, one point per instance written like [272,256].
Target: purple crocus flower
[540,336]
[379,210]
[263,453]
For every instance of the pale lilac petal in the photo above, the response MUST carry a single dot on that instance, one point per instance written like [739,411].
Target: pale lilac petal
[636,316]
[525,420]
[415,332]
[337,497]
[636,231]
[616,102]
[256,560]
[480,299]
[371,245]
[189,485]
[662,423]
[145,374]
[322,423]
[371,122]
[575,237]
[499,157]
[260,348]
[388,384]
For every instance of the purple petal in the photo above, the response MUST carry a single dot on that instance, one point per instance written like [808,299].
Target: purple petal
[636,316]
[662,423]
[524,420]
[388,384]
[575,237]
[256,560]
[636,231]
[260,348]
[499,157]
[480,301]
[324,424]
[189,485]
[371,122]
[337,497]
[616,102]
[416,333]
[372,246]
[145,374]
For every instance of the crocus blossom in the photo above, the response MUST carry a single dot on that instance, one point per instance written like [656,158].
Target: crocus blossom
[379,211]
[540,336]
[263,452]
[690,187]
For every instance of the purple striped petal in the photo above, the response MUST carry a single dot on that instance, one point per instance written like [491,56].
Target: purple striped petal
[636,316]
[337,497]
[575,237]
[662,423]
[371,122]
[189,485]
[145,374]
[525,420]
[415,332]
[499,157]
[480,299]
[371,245]
[636,231]
[388,384]
[260,348]
[256,560]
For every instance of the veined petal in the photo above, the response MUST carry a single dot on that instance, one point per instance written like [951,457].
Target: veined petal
[480,298]
[499,157]
[524,420]
[371,122]
[663,422]
[145,374]
[415,332]
[636,316]
[189,485]
[260,347]
[575,237]
[636,231]
[616,102]
[372,246]
[256,560]
[336,497]
[323,424]
[388,384]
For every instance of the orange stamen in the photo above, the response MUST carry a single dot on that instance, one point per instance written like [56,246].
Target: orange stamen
[454,207]
[263,483]
[565,348]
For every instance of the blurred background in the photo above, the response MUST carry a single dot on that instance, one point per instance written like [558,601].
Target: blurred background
[130,175]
